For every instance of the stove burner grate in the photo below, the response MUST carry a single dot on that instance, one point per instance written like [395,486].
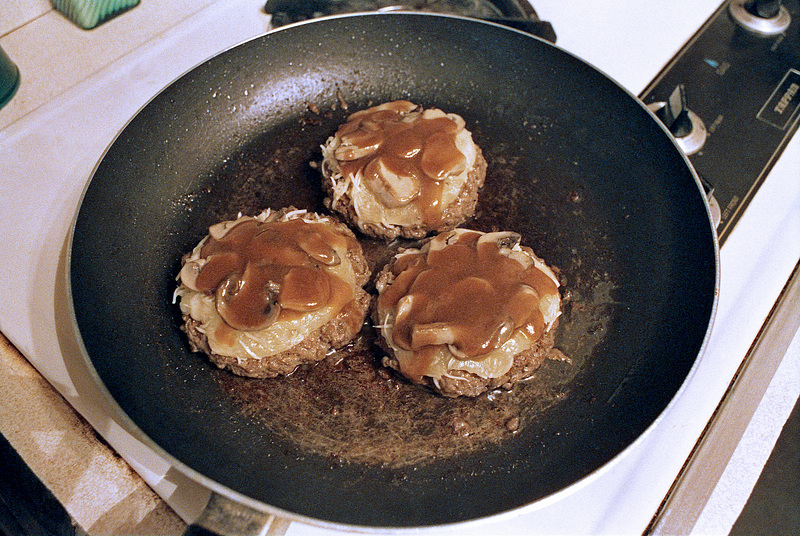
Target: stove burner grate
[518,15]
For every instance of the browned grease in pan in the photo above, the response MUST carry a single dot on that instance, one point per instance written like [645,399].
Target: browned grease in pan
[349,408]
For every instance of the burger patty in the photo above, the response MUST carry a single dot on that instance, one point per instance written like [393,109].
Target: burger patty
[470,344]
[315,344]
[398,170]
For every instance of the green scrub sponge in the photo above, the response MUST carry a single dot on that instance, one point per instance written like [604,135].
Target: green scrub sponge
[89,13]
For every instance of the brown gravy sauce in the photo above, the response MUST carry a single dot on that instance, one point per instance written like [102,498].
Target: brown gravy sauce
[421,152]
[502,297]
[263,271]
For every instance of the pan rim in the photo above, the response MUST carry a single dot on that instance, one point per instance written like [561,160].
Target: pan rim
[131,427]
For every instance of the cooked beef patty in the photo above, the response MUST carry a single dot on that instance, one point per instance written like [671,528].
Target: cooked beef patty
[467,312]
[398,170]
[261,295]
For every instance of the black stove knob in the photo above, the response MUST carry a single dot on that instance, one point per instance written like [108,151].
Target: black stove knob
[765,9]
[761,17]
[713,205]
[686,126]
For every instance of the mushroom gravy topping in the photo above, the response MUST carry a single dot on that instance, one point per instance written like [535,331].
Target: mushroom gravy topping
[279,276]
[462,297]
[403,154]
[260,271]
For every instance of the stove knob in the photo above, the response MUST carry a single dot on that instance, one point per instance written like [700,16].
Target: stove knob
[766,9]
[713,205]
[686,126]
[762,17]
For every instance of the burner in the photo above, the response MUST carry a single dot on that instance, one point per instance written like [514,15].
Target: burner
[518,15]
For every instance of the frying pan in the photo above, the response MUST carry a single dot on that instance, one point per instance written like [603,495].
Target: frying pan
[577,165]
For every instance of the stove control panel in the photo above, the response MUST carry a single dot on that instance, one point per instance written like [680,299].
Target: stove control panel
[735,86]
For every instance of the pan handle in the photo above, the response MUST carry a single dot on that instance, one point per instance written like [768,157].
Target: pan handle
[225,517]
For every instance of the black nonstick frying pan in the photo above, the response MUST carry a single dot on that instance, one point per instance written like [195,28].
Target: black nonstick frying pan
[575,164]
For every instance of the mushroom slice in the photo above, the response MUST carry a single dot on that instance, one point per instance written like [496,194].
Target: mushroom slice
[315,247]
[242,311]
[441,158]
[508,243]
[442,240]
[188,274]
[504,332]
[218,230]
[433,113]
[398,107]
[522,304]
[216,268]
[305,289]
[462,350]
[390,181]
[550,306]
[433,334]
[406,143]
[504,239]
[402,340]
[358,144]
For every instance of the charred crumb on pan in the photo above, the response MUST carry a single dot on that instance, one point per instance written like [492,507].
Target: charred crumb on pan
[310,121]
[342,103]
[512,424]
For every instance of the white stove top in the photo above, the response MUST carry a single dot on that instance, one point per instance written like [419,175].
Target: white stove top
[48,156]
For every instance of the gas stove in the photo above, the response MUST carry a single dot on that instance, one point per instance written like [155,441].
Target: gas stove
[702,71]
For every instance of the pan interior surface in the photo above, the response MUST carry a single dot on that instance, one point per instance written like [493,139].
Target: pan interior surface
[576,165]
